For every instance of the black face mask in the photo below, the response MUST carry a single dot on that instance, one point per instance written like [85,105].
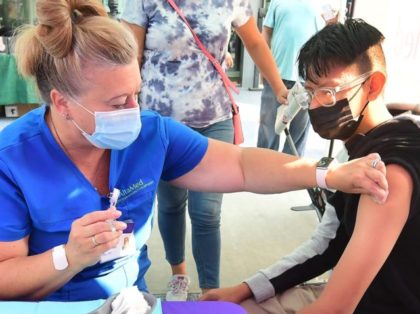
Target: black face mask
[335,122]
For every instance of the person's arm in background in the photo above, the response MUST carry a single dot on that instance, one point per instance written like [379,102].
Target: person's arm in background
[267,33]
[376,232]
[260,52]
[140,34]
[228,60]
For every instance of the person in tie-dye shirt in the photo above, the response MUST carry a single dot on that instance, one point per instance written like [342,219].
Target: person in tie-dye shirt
[179,81]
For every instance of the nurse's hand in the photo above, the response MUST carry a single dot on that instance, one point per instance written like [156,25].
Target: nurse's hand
[366,175]
[92,235]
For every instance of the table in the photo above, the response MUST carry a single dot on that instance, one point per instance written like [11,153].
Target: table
[83,307]
[13,88]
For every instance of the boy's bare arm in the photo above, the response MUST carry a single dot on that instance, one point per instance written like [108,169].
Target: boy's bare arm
[376,232]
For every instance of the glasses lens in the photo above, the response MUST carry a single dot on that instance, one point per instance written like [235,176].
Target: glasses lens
[324,97]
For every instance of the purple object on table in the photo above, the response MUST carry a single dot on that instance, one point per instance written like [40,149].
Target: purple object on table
[201,307]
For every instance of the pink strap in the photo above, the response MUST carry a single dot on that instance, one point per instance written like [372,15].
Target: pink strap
[226,81]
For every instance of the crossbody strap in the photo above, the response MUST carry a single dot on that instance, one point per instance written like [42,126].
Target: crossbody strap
[228,84]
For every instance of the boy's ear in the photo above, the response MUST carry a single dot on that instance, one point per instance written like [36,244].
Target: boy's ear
[376,85]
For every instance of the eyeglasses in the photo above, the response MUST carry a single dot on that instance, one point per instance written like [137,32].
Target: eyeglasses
[326,96]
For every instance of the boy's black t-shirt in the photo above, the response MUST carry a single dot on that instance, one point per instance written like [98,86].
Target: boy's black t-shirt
[396,288]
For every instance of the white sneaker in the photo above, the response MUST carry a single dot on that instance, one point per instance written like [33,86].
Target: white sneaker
[178,288]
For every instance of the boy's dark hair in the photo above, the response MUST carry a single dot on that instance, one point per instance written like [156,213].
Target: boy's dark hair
[354,42]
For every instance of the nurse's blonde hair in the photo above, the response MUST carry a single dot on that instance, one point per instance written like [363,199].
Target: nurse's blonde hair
[69,36]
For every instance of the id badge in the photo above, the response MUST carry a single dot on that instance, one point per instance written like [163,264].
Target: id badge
[126,245]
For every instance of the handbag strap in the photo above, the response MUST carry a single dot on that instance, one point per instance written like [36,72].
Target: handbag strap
[228,84]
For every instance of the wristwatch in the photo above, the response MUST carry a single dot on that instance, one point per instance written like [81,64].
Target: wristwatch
[59,257]
[321,171]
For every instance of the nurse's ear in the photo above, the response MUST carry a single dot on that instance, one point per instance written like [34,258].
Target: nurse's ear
[60,103]
[376,83]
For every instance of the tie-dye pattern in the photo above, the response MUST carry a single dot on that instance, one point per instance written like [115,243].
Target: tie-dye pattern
[177,78]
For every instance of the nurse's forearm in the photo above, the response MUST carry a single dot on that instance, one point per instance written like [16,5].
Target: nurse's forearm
[32,277]
[228,168]
[266,171]
[270,172]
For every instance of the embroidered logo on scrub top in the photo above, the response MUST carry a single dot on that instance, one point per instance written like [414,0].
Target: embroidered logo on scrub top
[134,188]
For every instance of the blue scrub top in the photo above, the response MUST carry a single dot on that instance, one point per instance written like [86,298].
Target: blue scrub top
[42,192]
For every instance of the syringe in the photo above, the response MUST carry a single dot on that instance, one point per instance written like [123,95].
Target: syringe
[113,199]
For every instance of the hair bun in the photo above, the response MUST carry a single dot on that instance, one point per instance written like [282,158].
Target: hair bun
[54,29]
[58,21]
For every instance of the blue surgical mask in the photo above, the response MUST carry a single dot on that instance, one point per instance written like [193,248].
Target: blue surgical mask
[113,129]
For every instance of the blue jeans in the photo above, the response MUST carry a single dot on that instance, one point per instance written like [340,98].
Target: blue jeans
[204,210]
[298,129]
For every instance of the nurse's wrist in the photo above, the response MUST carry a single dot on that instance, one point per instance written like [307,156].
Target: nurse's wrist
[76,262]
[59,258]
